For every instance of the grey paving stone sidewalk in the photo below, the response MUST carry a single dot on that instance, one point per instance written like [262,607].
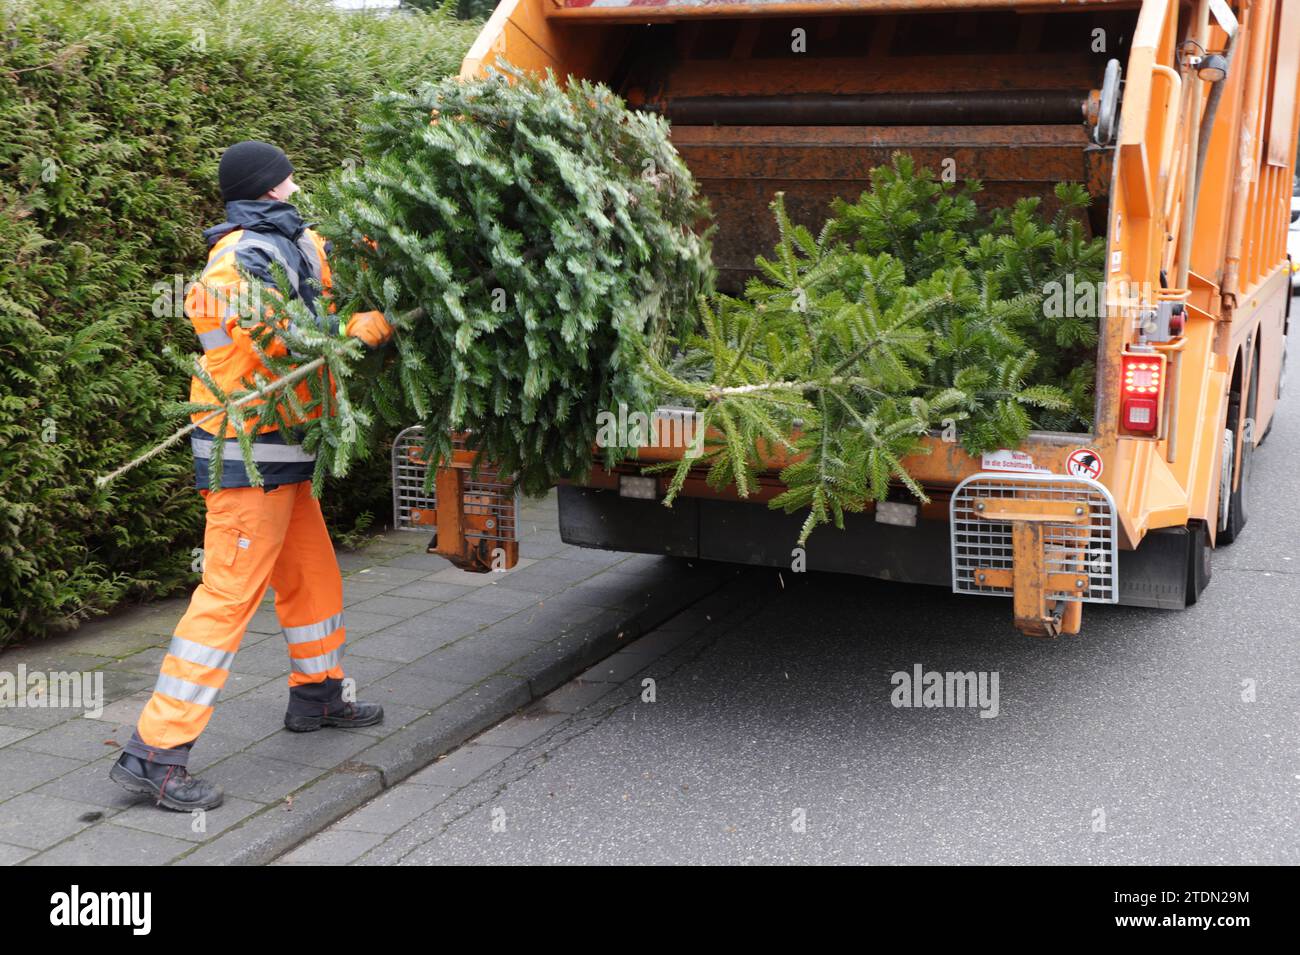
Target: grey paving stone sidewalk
[403,825]
[446,652]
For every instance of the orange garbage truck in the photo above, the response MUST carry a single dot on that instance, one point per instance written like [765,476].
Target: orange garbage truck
[1181,120]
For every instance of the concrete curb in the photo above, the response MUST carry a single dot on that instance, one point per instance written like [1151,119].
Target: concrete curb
[264,836]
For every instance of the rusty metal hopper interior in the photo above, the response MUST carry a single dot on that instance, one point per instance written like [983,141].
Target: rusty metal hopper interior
[1004,94]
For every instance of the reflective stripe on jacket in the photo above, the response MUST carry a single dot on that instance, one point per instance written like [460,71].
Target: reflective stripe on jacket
[277,461]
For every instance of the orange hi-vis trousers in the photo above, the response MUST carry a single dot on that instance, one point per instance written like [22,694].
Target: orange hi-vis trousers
[255,538]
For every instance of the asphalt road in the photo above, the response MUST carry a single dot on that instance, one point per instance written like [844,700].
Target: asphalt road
[1132,743]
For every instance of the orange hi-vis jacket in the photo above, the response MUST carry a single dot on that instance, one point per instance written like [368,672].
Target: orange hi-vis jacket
[257,233]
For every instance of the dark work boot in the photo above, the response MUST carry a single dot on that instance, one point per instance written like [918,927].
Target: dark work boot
[170,785]
[315,705]
[347,714]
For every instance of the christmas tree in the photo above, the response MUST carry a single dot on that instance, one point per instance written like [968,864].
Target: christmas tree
[530,241]
[547,236]
[905,314]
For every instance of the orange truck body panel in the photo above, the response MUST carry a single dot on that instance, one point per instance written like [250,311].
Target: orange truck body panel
[1233,265]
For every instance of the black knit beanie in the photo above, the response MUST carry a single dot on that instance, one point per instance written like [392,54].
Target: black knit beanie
[248,170]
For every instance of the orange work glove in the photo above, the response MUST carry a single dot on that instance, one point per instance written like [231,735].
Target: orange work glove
[371,327]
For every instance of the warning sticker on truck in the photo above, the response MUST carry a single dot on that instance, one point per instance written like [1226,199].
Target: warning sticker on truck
[1084,463]
[1005,460]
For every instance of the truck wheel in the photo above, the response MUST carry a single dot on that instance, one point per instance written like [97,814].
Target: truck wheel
[1233,516]
[1199,553]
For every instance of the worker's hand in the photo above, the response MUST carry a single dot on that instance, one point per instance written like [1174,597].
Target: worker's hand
[371,327]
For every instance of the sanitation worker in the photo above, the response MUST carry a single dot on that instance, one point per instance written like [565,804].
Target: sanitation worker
[255,537]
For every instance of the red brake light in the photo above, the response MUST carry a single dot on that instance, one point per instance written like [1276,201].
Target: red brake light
[1140,393]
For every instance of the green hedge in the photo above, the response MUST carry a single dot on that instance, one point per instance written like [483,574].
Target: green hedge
[465,9]
[113,114]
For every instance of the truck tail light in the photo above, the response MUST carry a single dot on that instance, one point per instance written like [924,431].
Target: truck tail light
[1140,392]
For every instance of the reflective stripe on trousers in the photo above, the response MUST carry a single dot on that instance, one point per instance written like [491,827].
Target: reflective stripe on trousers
[308,644]
[254,539]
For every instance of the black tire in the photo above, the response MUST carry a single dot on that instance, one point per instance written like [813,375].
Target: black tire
[1199,554]
[1238,502]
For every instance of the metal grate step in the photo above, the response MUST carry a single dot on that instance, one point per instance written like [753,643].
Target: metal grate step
[1087,551]
[490,501]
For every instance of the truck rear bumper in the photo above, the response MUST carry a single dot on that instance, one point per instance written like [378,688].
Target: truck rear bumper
[1154,575]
